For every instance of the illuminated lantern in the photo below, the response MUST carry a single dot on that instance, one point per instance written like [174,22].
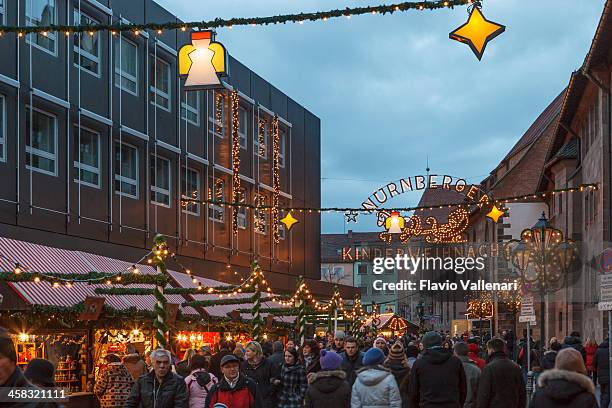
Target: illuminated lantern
[203,61]
[395,223]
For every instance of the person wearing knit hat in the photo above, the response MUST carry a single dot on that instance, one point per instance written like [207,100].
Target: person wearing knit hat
[437,379]
[329,360]
[373,356]
[375,384]
[328,388]
[338,344]
[501,380]
[397,363]
[381,343]
[566,385]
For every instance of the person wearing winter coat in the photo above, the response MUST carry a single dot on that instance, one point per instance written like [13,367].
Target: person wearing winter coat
[573,341]
[259,369]
[278,355]
[398,364]
[292,381]
[437,379]
[412,352]
[182,367]
[309,355]
[591,348]
[352,359]
[199,381]
[375,386]
[473,351]
[472,374]
[234,389]
[601,364]
[215,362]
[567,385]
[328,388]
[114,383]
[135,365]
[501,382]
[160,388]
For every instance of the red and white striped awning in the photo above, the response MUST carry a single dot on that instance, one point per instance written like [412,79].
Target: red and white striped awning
[44,259]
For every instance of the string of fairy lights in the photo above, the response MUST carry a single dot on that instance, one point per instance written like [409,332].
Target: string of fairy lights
[275,178]
[360,210]
[235,160]
[300,18]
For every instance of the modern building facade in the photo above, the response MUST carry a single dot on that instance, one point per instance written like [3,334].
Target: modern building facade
[100,145]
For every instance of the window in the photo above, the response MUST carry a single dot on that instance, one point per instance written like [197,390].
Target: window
[282,232]
[260,140]
[362,269]
[364,290]
[2,12]
[217,115]
[42,13]
[126,66]
[87,157]
[260,217]
[242,211]
[126,170]
[41,149]
[324,272]
[2,127]
[242,128]
[190,107]
[160,181]
[191,189]
[376,291]
[216,192]
[282,141]
[86,45]
[159,78]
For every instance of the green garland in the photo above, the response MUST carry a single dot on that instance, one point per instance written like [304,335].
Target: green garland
[216,302]
[159,323]
[243,21]
[150,291]
[89,277]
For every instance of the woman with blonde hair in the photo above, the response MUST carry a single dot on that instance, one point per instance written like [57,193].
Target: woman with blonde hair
[260,370]
[182,367]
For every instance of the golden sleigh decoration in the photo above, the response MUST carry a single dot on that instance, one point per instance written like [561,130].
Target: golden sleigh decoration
[432,231]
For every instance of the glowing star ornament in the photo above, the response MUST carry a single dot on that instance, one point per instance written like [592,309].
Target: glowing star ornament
[395,223]
[477,32]
[203,61]
[289,221]
[495,213]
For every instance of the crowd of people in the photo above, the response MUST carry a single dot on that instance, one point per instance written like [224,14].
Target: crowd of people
[340,371]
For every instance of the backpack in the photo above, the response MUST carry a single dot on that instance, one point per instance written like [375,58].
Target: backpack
[203,379]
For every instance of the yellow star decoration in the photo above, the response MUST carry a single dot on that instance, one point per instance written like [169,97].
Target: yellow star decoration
[495,213]
[289,221]
[477,32]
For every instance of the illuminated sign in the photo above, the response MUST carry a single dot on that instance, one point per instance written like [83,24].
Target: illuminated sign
[429,228]
[203,61]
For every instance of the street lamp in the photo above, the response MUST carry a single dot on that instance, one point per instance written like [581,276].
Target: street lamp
[543,258]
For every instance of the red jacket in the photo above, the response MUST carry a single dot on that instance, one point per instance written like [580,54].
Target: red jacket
[591,349]
[473,355]
[243,395]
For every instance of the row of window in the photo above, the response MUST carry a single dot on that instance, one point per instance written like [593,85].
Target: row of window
[41,156]
[372,291]
[87,56]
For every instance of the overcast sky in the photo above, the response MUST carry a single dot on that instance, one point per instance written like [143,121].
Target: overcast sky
[392,90]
